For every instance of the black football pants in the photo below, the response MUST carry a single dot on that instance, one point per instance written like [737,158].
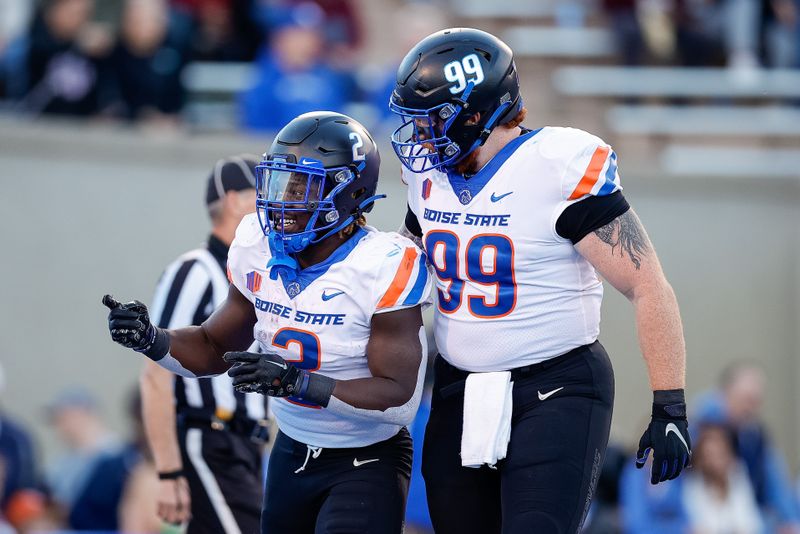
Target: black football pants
[224,474]
[546,482]
[341,491]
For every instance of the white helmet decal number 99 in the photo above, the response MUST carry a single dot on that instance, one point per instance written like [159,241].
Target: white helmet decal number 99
[461,72]
[357,143]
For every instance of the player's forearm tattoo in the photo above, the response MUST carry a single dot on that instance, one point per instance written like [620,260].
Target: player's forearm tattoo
[626,232]
[405,232]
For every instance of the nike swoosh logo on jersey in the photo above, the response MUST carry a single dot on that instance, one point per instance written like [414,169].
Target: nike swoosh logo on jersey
[495,197]
[674,429]
[357,463]
[543,396]
[328,296]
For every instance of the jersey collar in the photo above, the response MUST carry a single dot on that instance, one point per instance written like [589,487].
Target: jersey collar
[305,277]
[467,189]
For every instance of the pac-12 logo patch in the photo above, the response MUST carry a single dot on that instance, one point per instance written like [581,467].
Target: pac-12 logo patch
[253,281]
[426,188]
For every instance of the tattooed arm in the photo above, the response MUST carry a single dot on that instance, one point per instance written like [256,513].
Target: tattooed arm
[405,232]
[622,253]
[411,228]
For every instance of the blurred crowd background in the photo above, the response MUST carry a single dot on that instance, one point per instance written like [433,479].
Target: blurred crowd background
[112,113]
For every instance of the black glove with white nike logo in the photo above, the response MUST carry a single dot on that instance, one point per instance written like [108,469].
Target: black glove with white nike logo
[667,436]
[130,326]
[271,375]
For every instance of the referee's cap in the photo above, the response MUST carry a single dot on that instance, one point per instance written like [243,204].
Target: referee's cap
[234,173]
[71,397]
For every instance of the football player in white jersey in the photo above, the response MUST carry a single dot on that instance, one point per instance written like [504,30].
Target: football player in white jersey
[336,307]
[517,224]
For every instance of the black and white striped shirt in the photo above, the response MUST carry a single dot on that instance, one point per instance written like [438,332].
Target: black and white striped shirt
[188,292]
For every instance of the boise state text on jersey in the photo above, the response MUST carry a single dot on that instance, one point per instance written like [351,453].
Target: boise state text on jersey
[321,320]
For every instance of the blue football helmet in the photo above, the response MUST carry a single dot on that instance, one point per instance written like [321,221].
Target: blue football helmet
[319,176]
[441,83]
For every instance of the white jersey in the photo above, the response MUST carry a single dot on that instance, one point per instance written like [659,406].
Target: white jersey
[511,291]
[321,320]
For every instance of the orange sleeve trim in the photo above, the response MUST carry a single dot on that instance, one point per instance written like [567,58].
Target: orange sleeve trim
[228,272]
[592,173]
[400,279]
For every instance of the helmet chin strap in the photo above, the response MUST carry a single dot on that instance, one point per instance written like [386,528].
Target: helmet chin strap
[283,263]
[485,133]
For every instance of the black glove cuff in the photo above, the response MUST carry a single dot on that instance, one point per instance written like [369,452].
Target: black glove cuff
[159,346]
[669,404]
[318,390]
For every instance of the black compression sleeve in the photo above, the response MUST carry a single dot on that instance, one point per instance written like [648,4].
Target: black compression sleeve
[412,223]
[586,216]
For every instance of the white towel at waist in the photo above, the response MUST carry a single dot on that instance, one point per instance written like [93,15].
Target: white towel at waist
[487,418]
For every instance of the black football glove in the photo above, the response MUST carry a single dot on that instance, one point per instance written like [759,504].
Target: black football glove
[667,436]
[130,326]
[271,375]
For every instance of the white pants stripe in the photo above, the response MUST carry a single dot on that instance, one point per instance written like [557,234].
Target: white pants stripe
[194,449]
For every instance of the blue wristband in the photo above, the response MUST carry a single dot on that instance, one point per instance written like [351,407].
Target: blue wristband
[303,385]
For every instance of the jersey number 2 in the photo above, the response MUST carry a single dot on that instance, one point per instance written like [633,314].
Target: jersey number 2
[310,353]
[446,246]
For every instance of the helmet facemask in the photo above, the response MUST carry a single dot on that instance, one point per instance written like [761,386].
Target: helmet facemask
[421,142]
[440,137]
[295,202]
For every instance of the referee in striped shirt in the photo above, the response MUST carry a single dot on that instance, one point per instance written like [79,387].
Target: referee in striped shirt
[206,438]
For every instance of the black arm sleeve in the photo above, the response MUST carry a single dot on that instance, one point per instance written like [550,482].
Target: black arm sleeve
[412,223]
[586,216]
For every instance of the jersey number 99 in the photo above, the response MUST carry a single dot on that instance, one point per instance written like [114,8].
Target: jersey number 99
[446,246]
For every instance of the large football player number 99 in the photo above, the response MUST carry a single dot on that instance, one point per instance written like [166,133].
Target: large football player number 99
[310,352]
[496,250]
[468,69]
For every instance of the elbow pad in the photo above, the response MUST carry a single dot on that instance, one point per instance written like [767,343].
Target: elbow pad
[397,415]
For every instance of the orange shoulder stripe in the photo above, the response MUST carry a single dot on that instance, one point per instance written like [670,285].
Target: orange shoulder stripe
[592,173]
[400,279]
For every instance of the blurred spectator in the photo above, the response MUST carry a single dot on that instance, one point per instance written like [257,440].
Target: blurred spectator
[738,404]
[781,32]
[717,493]
[700,32]
[742,23]
[30,512]
[411,24]
[658,32]
[223,30]
[649,509]
[14,19]
[63,71]
[100,504]
[73,414]
[292,76]
[147,63]
[341,30]
[17,465]
[627,32]
[14,22]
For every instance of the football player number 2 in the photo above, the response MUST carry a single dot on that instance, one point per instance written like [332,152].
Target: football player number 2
[488,261]
[310,352]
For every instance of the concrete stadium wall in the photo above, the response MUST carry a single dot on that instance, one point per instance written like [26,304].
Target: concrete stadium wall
[92,209]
